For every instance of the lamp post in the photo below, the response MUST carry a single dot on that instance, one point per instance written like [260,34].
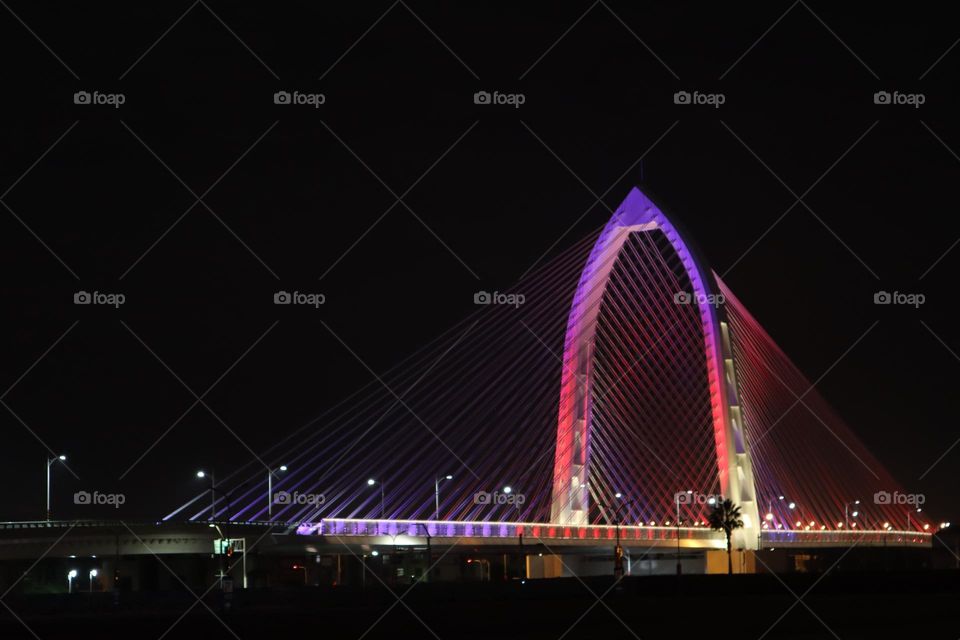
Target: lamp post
[436,494]
[92,575]
[270,474]
[50,461]
[517,501]
[618,550]
[846,512]
[70,577]
[676,497]
[371,482]
[213,498]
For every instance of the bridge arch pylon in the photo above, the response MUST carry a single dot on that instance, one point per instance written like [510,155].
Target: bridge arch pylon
[571,494]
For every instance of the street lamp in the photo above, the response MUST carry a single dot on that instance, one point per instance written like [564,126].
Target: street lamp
[919,509]
[846,512]
[70,578]
[517,502]
[213,498]
[436,494]
[618,550]
[371,482]
[93,574]
[50,461]
[676,497]
[270,474]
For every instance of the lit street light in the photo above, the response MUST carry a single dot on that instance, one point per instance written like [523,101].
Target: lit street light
[50,461]
[371,482]
[270,475]
[436,495]
[70,577]
[676,497]
[846,512]
[919,509]
[213,499]
[93,574]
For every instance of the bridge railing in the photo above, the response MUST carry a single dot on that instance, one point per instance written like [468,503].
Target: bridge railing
[530,530]
[803,538]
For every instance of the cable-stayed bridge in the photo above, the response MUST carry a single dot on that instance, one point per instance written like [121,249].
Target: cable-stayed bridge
[619,389]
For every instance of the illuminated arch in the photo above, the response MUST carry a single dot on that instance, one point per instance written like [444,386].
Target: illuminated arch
[571,497]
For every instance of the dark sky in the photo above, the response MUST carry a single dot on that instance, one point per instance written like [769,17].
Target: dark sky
[97,200]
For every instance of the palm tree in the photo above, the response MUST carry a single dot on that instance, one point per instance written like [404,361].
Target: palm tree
[726,516]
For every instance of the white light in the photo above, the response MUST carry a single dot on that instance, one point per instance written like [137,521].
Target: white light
[711,500]
[618,495]
[283,467]
[72,574]
[201,474]
[374,553]
[93,573]
[62,458]
[792,505]
[769,516]
[449,477]
[371,482]
[855,514]
[507,489]
[856,502]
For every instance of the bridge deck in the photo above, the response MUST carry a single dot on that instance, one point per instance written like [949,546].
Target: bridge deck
[630,535]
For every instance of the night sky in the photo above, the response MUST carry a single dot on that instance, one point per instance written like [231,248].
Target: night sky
[293,197]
